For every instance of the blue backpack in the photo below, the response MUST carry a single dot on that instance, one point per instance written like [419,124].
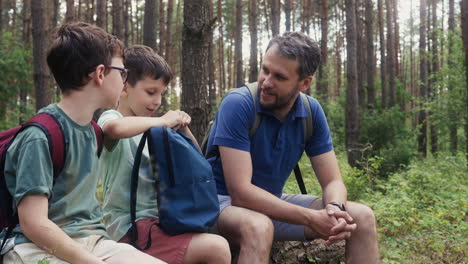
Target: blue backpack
[186,189]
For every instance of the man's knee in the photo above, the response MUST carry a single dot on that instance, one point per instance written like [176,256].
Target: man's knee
[258,226]
[364,216]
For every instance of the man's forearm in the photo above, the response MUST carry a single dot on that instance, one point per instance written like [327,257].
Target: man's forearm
[335,191]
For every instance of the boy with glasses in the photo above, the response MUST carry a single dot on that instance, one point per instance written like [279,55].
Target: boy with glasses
[60,220]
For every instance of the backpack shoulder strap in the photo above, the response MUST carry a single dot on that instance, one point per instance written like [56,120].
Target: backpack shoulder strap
[308,121]
[253,89]
[99,136]
[55,138]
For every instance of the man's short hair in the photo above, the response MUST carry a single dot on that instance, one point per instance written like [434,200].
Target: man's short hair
[297,46]
[142,62]
[76,51]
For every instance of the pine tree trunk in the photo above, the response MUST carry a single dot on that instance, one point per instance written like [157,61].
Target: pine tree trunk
[221,68]
[275,16]
[371,103]
[253,62]
[196,34]
[101,13]
[168,45]
[435,70]
[117,19]
[211,64]
[451,63]
[40,73]
[361,55]
[70,14]
[149,24]
[287,14]
[391,54]
[322,84]
[352,109]
[238,47]
[162,28]
[338,67]
[1,16]
[383,58]
[464,26]
[126,21]
[422,137]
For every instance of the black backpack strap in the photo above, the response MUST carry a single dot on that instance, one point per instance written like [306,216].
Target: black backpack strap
[133,195]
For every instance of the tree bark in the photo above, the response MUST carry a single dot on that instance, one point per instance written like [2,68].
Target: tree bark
[211,64]
[168,45]
[253,62]
[238,45]
[70,13]
[287,14]
[352,109]
[221,68]
[196,34]
[422,137]
[361,54]
[322,84]
[451,63]
[391,54]
[117,19]
[40,73]
[464,26]
[435,71]
[383,59]
[149,24]
[275,16]
[101,13]
[162,28]
[371,102]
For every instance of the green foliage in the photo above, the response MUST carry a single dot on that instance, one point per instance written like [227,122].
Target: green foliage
[16,69]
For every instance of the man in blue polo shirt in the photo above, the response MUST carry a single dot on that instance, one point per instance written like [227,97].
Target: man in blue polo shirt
[251,171]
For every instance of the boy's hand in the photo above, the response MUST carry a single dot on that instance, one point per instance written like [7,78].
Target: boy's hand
[176,119]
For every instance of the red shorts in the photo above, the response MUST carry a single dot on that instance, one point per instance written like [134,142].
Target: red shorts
[170,249]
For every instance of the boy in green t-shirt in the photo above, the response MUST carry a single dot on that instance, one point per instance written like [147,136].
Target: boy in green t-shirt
[61,221]
[149,75]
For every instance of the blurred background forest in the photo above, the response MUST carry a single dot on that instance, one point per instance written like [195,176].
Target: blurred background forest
[393,83]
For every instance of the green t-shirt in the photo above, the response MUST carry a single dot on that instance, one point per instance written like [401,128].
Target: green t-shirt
[115,168]
[72,201]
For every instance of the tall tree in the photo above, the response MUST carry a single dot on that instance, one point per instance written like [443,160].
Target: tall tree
[287,13]
[253,62]
[211,64]
[40,73]
[453,116]
[322,84]
[117,19]
[361,54]
[195,37]
[464,26]
[371,102]
[275,16]
[149,24]
[391,54]
[101,13]
[352,109]
[1,16]
[435,70]
[168,46]
[221,71]
[383,58]
[238,46]
[422,137]
[70,13]
[162,28]
[55,16]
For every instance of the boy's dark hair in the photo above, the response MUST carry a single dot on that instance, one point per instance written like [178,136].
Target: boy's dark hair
[297,46]
[76,51]
[141,61]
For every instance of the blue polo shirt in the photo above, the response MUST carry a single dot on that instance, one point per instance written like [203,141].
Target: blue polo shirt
[276,146]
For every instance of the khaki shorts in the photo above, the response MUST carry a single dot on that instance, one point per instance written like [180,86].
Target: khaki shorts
[99,246]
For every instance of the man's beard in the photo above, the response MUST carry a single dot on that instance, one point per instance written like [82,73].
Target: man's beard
[280,103]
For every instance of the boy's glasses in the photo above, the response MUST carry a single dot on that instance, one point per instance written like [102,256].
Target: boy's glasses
[123,72]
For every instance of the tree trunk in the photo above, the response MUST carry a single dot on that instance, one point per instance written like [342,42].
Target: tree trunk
[275,16]
[196,34]
[352,109]
[464,26]
[117,19]
[391,54]
[211,64]
[221,68]
[422,137]
[101,13]
[238,47]
[322,84]
[40,73]
[435,71]
[149,24]
[338,68]
[1,16]
[361,55]
[126,21]
[162,28]
[371,103]
[253,63]
[70,14]
[383,59]
[451,63]
[287,14]
[168,45]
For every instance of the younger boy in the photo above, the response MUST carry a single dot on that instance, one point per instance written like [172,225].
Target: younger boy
[149,75]
[61,221]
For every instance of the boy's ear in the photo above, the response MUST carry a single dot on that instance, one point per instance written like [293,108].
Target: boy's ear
[98,74]
[124,90]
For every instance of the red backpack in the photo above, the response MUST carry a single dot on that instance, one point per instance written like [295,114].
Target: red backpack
[54,134]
